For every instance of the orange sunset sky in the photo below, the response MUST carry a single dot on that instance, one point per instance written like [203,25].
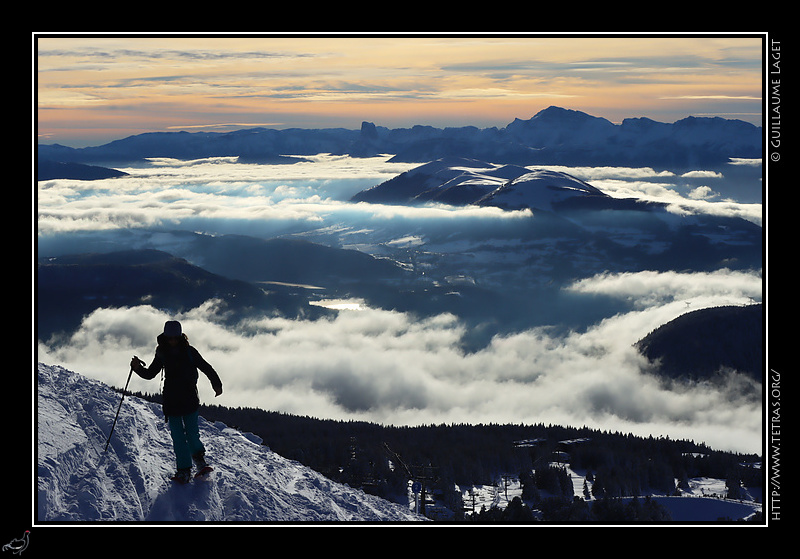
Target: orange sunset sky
[91,89]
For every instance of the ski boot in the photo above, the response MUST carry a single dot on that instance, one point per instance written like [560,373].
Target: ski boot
[202,466]
[182,476]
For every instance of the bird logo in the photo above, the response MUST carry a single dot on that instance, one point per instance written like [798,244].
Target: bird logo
[18,545]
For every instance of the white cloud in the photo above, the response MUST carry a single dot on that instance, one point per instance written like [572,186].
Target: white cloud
[199,193]
[702,193]
[726,208]
[622,173]
[648,288]
[702,175]
[389,367]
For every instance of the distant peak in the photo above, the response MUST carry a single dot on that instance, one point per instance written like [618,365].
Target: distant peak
[558,116]
[553,111]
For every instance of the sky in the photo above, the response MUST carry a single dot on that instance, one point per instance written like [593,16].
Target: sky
[92,89]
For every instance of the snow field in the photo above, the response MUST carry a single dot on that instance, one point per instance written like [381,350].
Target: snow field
[78,482]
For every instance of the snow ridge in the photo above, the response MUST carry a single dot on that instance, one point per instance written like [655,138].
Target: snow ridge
[539,189]
[461,181]
[78,482]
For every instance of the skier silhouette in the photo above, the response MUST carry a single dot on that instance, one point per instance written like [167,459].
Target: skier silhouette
[181,403]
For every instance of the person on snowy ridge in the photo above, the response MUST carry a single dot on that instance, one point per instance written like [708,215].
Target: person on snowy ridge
[181,403]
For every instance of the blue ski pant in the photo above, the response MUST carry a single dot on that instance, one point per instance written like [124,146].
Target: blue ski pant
[185,438]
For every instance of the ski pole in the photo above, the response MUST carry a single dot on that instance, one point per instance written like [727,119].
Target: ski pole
[118,408]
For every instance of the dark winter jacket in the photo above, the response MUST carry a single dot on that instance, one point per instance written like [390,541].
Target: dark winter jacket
[180,364]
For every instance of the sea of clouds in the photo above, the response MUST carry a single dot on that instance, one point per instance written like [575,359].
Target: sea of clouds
[390,367]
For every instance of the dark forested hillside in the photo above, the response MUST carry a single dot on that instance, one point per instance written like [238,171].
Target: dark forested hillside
[697,344]
[72,286]
[382,459]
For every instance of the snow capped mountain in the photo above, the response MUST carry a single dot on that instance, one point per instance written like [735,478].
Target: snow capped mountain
[78,482]
[449,180]
[461,181]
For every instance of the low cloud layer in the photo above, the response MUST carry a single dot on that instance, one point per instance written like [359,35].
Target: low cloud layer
[390,367]
[219,194]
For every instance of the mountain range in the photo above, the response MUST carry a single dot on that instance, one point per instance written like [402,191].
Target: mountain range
[553,136]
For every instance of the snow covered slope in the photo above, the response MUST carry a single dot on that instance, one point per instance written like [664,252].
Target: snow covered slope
[449,180]
[539,189]
[461,181]
[77,481]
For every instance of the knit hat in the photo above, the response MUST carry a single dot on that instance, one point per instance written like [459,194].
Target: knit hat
[172,329]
